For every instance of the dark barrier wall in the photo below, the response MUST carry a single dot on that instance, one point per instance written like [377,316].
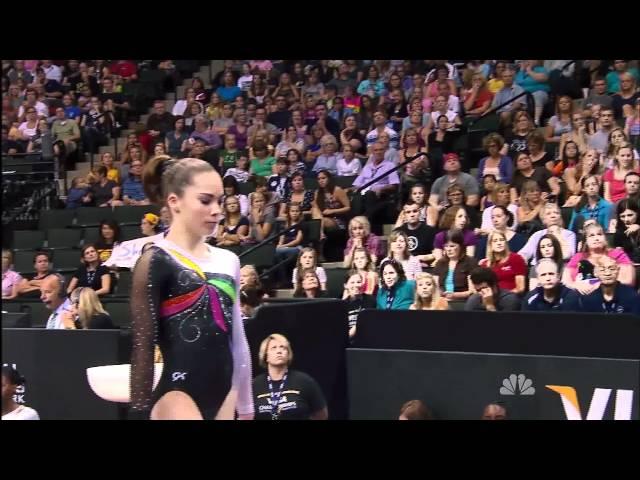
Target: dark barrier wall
[318,334]
[54,362]
[459,385]
[525,333]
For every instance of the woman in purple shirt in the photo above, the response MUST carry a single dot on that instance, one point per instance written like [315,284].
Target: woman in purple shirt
[455,218]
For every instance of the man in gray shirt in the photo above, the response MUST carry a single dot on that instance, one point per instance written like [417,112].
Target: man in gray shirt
[599,95]
[490,298]
[506,93]
[600,139]
[454,175]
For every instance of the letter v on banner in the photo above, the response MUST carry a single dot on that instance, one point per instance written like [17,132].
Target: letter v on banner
[599,401]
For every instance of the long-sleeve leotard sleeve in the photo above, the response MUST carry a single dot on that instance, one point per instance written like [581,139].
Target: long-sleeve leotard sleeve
[145,302]
[241,380]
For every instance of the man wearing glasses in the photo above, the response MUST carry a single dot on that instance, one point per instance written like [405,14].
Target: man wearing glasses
[32,103]
[612,296]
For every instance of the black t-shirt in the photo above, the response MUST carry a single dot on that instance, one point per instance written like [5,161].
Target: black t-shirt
[92,279]
[301,397]
[541,175]
[162,123]
[542,161]
[233,229]
[420,239]
[517,143]
[618,103]
[118,98]
[356,305]
[280,119]
[102,194]
[77,83]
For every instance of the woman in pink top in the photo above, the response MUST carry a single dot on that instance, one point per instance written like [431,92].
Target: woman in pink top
[614,179]
[10,279]
[579,272]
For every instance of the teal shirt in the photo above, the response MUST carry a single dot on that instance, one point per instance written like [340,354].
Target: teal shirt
[529,84]
[404,296]
[613,79]
[262,168]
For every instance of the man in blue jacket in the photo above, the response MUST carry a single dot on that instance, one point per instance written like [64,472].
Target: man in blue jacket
[612,296]
[550,295]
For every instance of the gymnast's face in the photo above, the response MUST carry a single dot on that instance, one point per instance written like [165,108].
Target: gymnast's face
[199,206]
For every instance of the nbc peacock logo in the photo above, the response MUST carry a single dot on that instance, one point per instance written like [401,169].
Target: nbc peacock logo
[517,385]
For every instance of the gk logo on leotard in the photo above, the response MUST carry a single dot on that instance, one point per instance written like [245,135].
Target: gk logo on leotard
[175,376]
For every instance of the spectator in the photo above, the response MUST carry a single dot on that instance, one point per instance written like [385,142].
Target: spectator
[234,227]
[250,302]
[617,137]
[309,285]
[569,157]
[417,194]
[92,273]
[302,129]
[433,81]
[229,90]
[132,191]
[249,279]
[338,112]
[453,268]
[222,124]
[548,247]
[550,294]
[363,265]
[508,266]
[160,122]
[260,123]
[11,279]
[289,142]
[308,260]
[120,104]
[104,192]
[380,124]
[573,176]
[113,174]
[262,164]
[537,152]
[632,125]
[150,225]
[35,141]
[180,106]
[281,118]
[71,111]
[560,125]
[526,173]
[331,203]
[324,121]
[108,239]
[96,125]
[611,295]
[230,186]
[453,175]
[78,194]
[228,157]
[126,69]
[32,103]
[286,89]
[399,251]
[614,179]
[377,196]
[455,217]
[348,165]
[490,297]
[342,80]
[328,159]
[175,138]
[356,300]
[428,294]
[31,285]
[17,71]
[290,242]
[304,399]
[261,218]
[372,86]
[579,272]
[55,299]
[507,93]
[552,219]
[419,170]
[600,139]
[240,129]
[214,109]
[440,109]
[390,153]
[29,127]
[495,163]
[279,182]
[246,79]
[500,195]
[298,194]
[420,236]
[415,410]
[365,114]
[516,139]
[395,292]
[591,204]
[598,95]
[502,220]
[627,231]
[534,79]
[478,99]
[11,381]
[495,411]
[202,131]
[615,77]
[86,312]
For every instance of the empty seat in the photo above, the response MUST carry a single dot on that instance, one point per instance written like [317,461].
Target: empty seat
[28,239]
[261,257]
[335,281]
[119,312]
[132,215]
[130,232]
[344,182]
[63,238]
[38,313]
[66,260]
[311,230]
[56,219]
[90,235]
[123,284]
[92,216]
[23,261]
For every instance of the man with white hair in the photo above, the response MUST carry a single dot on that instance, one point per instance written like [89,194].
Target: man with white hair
[612,296]
[550,295]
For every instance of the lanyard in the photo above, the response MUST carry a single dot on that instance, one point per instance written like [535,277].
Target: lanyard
[275,397]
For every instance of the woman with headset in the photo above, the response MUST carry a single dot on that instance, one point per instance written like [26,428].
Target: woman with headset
[282,393]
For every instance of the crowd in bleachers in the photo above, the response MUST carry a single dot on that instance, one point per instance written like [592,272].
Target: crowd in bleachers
[527,185]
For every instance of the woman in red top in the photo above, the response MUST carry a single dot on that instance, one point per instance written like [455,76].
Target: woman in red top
[614,179]
[508,266]
[477,99]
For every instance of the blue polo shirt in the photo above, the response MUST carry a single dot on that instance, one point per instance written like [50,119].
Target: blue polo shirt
[132,188]
[567,300]
[625,300]
[601,212]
